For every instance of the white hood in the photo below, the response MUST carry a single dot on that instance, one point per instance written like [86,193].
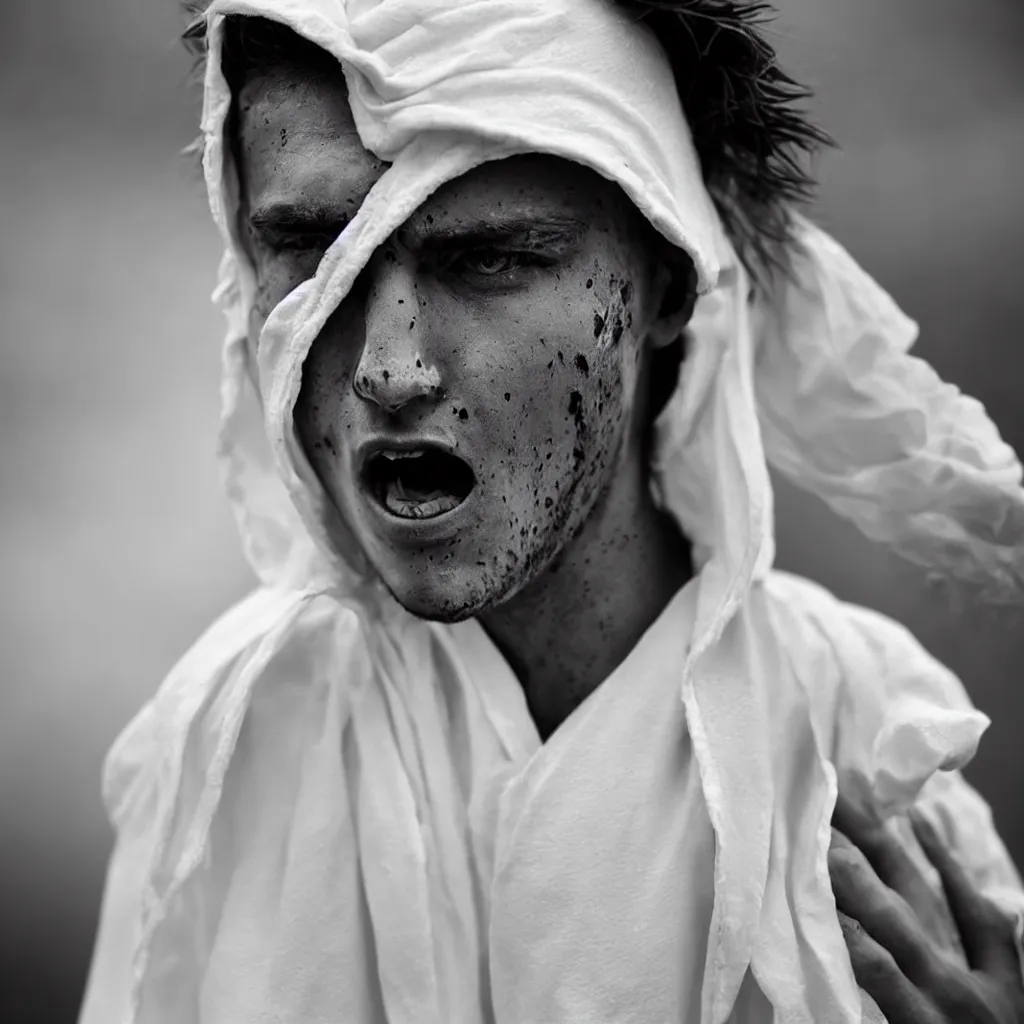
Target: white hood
[814,378]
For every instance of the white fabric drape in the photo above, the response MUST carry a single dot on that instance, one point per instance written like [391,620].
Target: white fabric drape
[333,811]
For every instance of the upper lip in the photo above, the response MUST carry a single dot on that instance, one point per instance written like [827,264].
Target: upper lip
[375,446]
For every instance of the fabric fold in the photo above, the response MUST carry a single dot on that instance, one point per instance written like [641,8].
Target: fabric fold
[848,414]
[332,793]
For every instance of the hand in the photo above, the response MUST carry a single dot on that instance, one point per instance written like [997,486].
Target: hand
[922,958]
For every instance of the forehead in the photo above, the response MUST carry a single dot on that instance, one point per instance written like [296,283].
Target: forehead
[298,145]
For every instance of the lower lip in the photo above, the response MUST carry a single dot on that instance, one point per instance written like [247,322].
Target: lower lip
[429,528]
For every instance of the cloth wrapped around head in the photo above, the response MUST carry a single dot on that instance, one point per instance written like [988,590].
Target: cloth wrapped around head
[814,377]
[811,375]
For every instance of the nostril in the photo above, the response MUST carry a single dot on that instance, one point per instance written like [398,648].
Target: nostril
[363,386]
[394,384]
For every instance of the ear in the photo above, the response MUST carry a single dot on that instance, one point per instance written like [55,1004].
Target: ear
[674,294]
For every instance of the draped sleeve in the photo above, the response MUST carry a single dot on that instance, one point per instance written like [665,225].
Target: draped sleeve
[905,727]
[870,713]
[236,834]
[131,796]
[963,819]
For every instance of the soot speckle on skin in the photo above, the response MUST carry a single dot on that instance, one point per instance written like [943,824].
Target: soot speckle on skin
[576,411]
[544,486]
[617,329]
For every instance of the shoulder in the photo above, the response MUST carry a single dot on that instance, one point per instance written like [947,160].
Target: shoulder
[872,651]
[270,631]
[889,709]
[218,753]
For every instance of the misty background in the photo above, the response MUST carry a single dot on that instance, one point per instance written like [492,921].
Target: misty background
[116,547]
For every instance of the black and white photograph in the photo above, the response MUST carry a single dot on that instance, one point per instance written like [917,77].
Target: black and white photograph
[512,512]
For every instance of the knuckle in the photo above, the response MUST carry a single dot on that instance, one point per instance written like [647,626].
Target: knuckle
[877,969]
[847,859]
[890,917]
[940,975]
[872,963]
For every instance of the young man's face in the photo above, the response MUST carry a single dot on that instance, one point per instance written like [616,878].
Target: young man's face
[475,395]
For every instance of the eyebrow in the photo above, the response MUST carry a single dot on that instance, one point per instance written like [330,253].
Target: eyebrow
[278,213]
[551,231]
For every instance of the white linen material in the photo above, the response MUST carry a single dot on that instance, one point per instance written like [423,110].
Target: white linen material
[334,811]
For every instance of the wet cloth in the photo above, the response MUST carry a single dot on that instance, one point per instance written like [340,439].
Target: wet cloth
[333,810]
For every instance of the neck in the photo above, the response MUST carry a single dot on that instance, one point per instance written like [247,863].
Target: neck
[569,628]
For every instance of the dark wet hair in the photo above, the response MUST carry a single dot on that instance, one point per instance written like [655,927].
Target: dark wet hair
[744,111]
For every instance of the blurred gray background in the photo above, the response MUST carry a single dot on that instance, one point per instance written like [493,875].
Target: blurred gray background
[116,547]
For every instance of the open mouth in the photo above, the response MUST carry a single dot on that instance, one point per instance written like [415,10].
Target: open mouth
[421,483]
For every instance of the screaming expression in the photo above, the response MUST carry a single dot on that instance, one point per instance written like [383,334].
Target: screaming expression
[472,400]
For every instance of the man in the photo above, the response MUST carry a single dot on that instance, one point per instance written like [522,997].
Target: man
[520,725]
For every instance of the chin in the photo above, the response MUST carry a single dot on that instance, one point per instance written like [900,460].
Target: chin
[449,593]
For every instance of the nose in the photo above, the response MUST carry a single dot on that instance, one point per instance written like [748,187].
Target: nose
[392,371]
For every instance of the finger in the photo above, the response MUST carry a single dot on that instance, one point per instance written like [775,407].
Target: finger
[888,919]
[896,867]
[868,832]
[987,934]
[879,975]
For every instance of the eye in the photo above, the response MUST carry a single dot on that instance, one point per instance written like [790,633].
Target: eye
[492,262]
[298,236]
[303,241]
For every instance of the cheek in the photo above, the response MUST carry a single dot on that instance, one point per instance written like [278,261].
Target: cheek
[571,429]
[599,400]
[569,392]
[572,457]
[599,412]
[325,407]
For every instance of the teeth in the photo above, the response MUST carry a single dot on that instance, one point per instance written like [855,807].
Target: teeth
[392,456]
[399,504]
